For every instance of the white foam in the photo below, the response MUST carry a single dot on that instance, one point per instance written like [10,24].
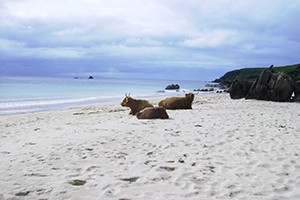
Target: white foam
[29,103]
[34,105]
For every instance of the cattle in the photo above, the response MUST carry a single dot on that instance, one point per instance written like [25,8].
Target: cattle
[135,105]
[173,103]
[153,113]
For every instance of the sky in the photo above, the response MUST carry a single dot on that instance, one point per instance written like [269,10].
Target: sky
[163,39]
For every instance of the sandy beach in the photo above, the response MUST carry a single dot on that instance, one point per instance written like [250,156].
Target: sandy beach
[221,149]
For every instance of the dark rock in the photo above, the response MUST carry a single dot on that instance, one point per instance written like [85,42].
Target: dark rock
[216,80]
[204,90]
[211,85]
[201,90]
[91,77]
[222,87]
[259,88]
[173,87]
[297,91]
[282,89]
[239,89]
[271,87]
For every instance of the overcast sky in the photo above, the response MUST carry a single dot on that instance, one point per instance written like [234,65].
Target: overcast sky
[182,39]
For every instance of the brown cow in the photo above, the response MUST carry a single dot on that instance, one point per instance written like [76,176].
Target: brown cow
[178,102]
[153,113]
[135,105]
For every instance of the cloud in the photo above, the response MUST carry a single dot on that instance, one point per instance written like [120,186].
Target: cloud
[212,39]
[167,34]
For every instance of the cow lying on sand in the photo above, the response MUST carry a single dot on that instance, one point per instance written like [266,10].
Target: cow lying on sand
[135,105]
[153,113]
[178,102]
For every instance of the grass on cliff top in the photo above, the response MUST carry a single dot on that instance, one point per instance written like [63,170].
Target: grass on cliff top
[251,74]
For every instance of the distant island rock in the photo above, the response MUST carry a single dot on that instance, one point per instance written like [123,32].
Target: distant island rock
[91,77]
[173,87]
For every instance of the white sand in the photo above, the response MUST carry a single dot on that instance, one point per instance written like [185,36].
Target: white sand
[222,149]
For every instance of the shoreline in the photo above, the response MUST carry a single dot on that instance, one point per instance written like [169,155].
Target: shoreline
[46,104]
[221,149]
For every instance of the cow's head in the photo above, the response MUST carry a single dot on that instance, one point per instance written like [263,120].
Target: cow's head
[190,96]
[126,101]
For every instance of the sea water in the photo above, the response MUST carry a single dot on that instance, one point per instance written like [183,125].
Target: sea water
[31,94]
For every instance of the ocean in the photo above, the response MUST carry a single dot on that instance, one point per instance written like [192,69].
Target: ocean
[32,94]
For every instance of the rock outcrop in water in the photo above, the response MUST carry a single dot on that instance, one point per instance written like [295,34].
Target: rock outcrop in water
[173,87]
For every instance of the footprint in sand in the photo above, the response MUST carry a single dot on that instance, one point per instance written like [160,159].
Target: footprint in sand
[77,182]
[130,180]
[169,169]
[22,194]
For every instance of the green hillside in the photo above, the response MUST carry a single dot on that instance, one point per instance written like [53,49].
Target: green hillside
[250,74]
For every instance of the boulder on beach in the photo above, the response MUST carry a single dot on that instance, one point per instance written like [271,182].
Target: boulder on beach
[173,87]
[239,89]
[271,86]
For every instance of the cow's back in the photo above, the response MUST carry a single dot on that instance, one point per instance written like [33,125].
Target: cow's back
[172,103]
[153,113]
